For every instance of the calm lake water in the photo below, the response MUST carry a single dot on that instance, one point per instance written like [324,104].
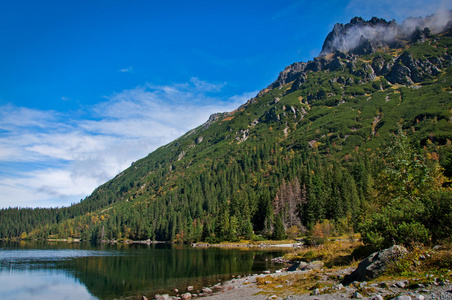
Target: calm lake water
[45,270]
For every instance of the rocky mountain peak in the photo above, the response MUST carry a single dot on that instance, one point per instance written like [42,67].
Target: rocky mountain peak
[360,36]
[364,37]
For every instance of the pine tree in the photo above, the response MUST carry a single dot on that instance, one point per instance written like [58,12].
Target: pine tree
[279,233]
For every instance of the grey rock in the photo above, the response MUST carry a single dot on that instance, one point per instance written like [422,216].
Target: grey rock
[186,296]
[162,297]
[400,284]
[357,295]
[190,288]
[316,292]
[400,74]
[377,297]
[334,65]
[404,297]
[315,265]
[207,290]
[375,264]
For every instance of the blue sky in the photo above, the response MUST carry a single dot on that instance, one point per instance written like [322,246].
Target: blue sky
[87,87]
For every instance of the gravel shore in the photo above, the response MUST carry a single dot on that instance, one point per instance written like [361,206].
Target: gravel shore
[248,288]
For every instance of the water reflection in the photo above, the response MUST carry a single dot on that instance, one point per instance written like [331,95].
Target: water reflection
[41,285]
[112,271]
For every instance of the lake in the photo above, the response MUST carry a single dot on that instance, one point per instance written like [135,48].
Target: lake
[58,270]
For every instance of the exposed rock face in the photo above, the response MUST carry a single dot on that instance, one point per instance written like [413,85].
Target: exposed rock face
[290,73]
[363,37]
[408,70]
[375,264]
[213,118]
[403,69]
[360,36]
[346,43]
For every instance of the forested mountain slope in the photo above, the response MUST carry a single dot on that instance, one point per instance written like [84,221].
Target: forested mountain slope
[312,146]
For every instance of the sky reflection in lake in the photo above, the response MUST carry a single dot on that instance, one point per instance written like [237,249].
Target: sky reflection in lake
[41,284]
[37,270]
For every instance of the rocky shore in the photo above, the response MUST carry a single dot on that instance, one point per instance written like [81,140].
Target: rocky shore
[311,280]
[251,287]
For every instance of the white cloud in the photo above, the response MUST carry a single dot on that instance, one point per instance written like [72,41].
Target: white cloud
[206,86]
[58,159]
[398,9]
[126,70]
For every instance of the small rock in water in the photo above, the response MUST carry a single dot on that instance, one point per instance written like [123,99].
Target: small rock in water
[190,288]
[266,272]
[176,291]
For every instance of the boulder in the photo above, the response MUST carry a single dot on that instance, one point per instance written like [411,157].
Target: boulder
[315,292]
[404,297]
[162,297]
[357,295]
[400,74]
[186,296]
[315,265]
[375,264]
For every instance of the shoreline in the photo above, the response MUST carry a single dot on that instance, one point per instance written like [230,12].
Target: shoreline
[270,244]
[262,245]
[253,287]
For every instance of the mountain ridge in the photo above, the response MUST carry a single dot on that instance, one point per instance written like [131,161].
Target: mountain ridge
[336,45]
[305,149]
